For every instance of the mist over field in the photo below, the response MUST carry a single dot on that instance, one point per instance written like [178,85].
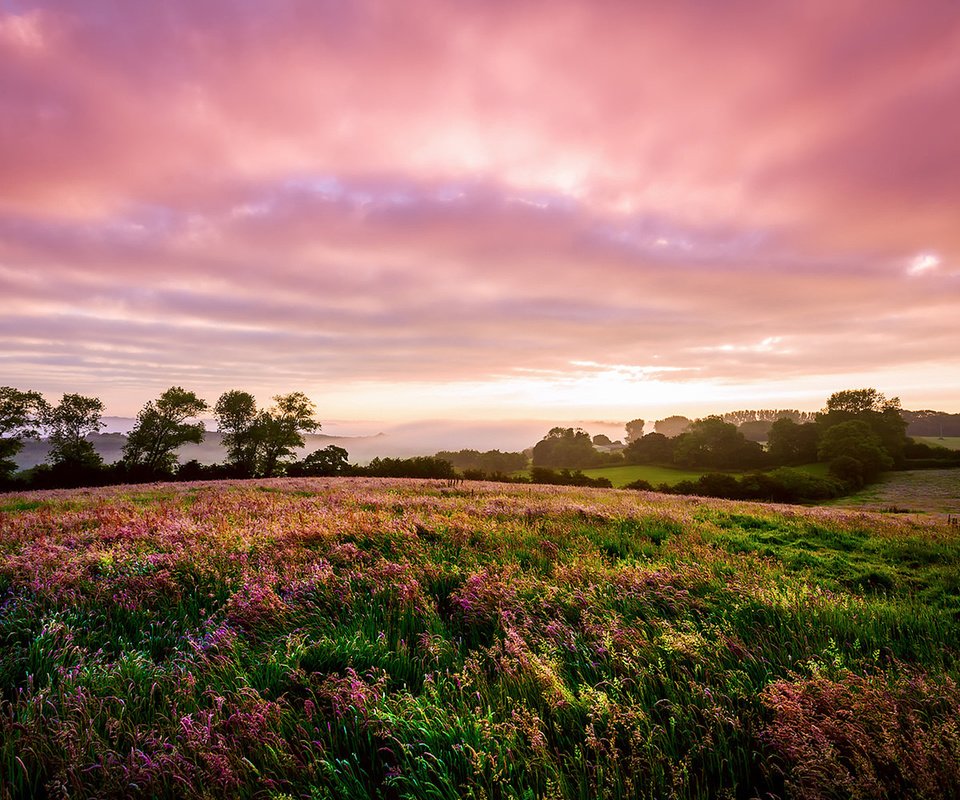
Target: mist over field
[362,439]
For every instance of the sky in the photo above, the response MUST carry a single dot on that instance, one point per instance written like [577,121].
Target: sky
[482,209]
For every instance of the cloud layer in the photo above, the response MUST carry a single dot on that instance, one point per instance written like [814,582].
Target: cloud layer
[481,207]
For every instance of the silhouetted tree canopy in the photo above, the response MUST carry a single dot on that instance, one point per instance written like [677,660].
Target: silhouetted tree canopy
[672,426]
[873,408]
[711,442]
[654,448]
[280,430]
[161,428]
[67,425]
[491,462]
[856,440]
[325,462]
[790,443]
[20,418]
[565,447]
[237,417]
[634,430]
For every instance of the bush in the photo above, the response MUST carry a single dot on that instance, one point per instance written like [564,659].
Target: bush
[640,485]
[803,485]
[849,470]
[565,477]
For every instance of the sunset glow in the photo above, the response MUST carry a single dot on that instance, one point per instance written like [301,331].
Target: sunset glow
[482,210]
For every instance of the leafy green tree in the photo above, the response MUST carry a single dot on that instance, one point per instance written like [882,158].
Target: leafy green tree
[161,428]
[855,439]
[21,415]
[327,461]
[565,447]
[654,448]
[415,467]
[280,430]
[602,440]
[238,422]
[491,462]
[67,425]
[711,442]
[858,401]
[870,406]
[790,443]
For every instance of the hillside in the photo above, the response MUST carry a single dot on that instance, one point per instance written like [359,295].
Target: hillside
[355,638]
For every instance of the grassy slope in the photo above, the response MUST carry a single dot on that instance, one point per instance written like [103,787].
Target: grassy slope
[621,476]
[349,638]
[928,490]
[950,442]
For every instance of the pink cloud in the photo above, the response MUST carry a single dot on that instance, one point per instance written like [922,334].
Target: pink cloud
[433,191]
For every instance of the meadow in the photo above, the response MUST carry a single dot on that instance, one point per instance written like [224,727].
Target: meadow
[621,476]
[950,442]
[926,490]
[349,638]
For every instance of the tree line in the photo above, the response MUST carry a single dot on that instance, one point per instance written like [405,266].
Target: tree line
[858,434]
[259,442]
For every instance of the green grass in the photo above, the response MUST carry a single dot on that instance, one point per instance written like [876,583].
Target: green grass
[360,638]
[819,469]
[20,505]
[950,442]
[922,490]
[621,476]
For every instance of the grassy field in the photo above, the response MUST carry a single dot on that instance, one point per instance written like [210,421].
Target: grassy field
[621,476]
[950,442]
[354,638]
[929,490]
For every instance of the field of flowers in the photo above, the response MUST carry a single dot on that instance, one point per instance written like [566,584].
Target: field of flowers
[349,638]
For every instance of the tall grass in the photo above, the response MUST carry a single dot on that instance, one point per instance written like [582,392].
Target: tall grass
[357,638]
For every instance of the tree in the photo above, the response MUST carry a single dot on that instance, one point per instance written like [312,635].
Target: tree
[859,401]
[237,421]
[855,439]
[161,428]
[756,430]
[67,425]
[280,429]
[21,415]
[711,442]
[602,440]
[565,447]
[654,448]
[415,467]
[672,426]
[634,430]
[870,406]
[790,443]
[491,462]
[330,460]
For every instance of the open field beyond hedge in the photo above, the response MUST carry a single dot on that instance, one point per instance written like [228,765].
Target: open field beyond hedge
[921,490]
[347,638]
[621,476]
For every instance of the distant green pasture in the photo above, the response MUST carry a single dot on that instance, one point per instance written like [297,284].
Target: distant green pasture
[621,476]
[950,442]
